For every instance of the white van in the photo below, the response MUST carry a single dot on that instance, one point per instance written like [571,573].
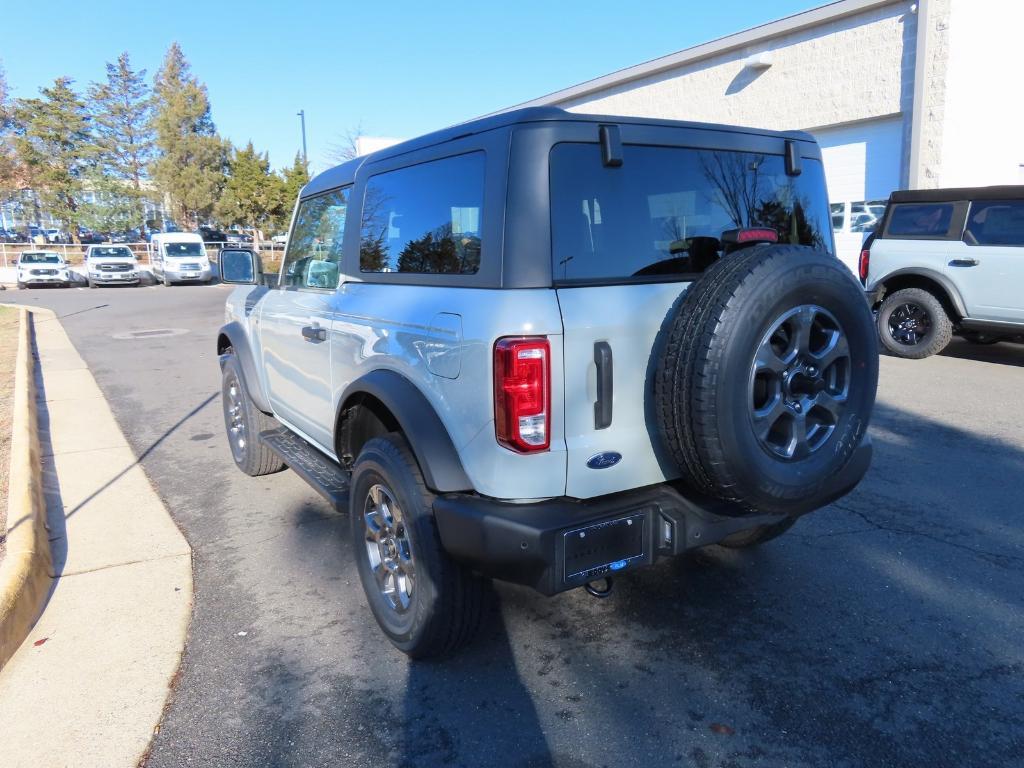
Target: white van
[179,257]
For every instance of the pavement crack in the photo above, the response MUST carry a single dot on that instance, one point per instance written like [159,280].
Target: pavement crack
[998,559]
[64,574]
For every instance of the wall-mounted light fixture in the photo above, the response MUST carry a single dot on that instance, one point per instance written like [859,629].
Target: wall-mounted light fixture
[761,60]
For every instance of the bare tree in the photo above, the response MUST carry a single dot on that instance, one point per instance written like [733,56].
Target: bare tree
[347,146]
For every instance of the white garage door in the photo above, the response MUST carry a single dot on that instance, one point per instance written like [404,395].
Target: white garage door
[862,166]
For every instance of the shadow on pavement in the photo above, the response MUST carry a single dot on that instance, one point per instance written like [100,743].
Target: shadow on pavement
[1005,353]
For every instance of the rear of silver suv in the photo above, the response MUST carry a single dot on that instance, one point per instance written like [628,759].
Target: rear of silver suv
[551,348]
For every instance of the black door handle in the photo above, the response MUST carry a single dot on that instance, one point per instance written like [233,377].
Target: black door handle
[967,262]
[603,405]
[314,333]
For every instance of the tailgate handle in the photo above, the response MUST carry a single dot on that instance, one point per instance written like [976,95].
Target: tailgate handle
[603,406]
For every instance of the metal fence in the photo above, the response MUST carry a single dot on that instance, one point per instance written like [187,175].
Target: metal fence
[75,254]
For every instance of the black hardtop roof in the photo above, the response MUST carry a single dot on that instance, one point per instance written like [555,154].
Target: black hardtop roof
[345,173]
[955,194]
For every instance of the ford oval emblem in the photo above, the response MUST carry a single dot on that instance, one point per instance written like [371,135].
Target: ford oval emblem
[604,460]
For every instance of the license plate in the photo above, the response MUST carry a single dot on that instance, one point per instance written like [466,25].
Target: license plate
[600,549]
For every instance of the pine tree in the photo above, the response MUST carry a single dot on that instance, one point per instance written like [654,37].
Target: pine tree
[122,112]
[253,195]
[53,142]
[295,178]
[191,157]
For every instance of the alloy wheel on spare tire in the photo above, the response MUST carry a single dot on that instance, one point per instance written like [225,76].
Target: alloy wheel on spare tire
[912,323]
[766,382]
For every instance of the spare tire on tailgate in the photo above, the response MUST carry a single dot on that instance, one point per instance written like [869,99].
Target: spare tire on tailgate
[766,382]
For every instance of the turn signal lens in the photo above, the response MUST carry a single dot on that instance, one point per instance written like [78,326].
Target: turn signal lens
[522,393]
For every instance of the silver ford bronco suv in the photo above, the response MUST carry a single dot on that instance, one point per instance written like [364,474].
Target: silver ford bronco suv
[551,348]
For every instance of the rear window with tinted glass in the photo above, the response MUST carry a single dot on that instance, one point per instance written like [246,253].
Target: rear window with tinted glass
[662,213]
[424,219]
[920,220]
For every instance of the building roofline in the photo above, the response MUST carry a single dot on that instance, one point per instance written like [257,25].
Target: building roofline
[752,36]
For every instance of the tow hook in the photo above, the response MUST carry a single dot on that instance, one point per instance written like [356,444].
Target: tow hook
[600,593]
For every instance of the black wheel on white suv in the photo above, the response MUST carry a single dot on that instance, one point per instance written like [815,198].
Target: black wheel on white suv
[912,323]
[427,604]
[244,422]
[766,380]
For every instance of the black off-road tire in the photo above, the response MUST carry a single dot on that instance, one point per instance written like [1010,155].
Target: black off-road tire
[447,599]
[758,535]
[704,381]
[250,454]
[940,327]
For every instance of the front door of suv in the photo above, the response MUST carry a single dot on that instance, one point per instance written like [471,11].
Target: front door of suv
[987,265]
[295,319]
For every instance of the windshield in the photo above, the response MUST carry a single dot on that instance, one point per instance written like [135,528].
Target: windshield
[181,250]
[110,253]
[39,258]
[665,210]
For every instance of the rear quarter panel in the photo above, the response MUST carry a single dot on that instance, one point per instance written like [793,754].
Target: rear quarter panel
[397,327]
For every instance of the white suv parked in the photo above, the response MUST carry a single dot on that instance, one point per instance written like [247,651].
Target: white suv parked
[43,268]
[945,262]
[550,348]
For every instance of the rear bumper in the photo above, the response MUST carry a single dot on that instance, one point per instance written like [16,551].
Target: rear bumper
[527,543]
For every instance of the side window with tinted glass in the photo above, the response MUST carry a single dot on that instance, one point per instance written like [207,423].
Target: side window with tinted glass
[996,222]
[314,245]
[928,221]
[424,219]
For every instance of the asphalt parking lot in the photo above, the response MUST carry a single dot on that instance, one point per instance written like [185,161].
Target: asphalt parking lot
[884,630]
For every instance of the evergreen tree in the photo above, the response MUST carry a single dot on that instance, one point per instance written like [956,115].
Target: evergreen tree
[53,142]
[295,178]
[122,111]
[253,195]
[8,165]
[191,157]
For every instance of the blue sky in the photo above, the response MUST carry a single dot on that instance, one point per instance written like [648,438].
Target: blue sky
[395,68]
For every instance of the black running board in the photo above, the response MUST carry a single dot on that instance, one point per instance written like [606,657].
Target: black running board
[319,470]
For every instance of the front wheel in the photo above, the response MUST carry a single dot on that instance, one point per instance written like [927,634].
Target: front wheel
[912,323]
[244,422]
[427,604]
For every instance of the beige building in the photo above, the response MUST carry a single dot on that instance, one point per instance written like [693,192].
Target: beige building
[899,94]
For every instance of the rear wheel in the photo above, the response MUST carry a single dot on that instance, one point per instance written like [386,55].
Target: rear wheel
[244,422]
[427,604]
[912,323]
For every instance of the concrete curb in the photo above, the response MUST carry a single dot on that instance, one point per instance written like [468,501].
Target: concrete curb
[25,570]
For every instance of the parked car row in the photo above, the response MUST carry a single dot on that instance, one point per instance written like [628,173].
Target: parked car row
[175,257]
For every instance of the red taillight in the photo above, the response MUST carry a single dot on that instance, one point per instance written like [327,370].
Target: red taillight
[522,393]
[863,265]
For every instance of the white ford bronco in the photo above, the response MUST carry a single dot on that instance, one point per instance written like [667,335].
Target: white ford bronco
[550,348]
[945,262]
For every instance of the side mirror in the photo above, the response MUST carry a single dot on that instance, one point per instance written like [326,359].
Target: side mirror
[239,267]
